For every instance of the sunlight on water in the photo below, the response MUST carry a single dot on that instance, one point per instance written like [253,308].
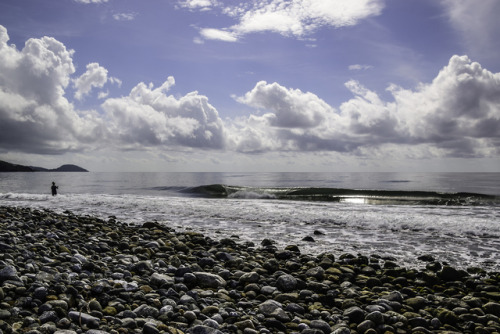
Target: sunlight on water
[355,200]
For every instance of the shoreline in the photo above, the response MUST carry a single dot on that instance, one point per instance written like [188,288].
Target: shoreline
[62,272]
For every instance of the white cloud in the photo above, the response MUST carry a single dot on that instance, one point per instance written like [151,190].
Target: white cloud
[457,114]
[103,95]
[91,1]
[477,22]
[115,81]
[124,16]
[359,67]
[149,117]
[217,34]
[198,4]
[95,76]
[291,107]
[458,111]
[297,18]
[35,116]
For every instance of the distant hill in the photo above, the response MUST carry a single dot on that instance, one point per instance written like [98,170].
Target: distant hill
[8,167]
[69,168]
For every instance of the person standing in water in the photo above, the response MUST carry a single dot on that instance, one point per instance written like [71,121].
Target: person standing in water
[54,189]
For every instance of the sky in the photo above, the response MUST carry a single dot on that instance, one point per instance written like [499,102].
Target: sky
[268,85]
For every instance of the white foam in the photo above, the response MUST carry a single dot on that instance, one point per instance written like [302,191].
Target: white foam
[251,195]
[462,236]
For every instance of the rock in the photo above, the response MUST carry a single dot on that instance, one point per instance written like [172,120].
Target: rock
[355,314]
[84,319]
[316,272]
[377,317]
[416,303]
[241,325]
[40,293]
[447,317]
[4,314]
[48,316]
[208,280]
[110,310]
[394,296]
[418,322]
[269,306]
[149,328]
[251,277]
[286,283]
[146,311]
[321,325]
[161,280]
[295,308]
[128,323]
[94,305]
[342,330]
[211,323]
[9,273]
[365,325]
[426,258]
[492,308]
[284,254]
[450,274]
[203,330]
[142,267]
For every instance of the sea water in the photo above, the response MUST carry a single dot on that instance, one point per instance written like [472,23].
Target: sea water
[455,217]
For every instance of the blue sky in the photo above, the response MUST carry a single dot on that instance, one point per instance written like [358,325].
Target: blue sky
[272,85]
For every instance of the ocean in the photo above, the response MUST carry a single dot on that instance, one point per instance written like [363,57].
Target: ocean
[454,217]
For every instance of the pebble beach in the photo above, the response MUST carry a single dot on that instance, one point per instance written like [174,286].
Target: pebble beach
[67,274]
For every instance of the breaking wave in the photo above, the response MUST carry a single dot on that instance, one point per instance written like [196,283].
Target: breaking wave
[342,195]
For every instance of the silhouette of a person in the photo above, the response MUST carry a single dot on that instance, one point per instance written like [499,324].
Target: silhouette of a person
[54,189]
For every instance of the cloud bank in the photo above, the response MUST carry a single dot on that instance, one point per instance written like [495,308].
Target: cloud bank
[297,19]
[149,117]
[457,114]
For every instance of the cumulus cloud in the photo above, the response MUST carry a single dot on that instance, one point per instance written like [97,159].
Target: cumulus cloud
[148,116]
[95,76]
[457,114]
[292,120]
[298,18]
[458,111]
[35,116]
[291,107]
